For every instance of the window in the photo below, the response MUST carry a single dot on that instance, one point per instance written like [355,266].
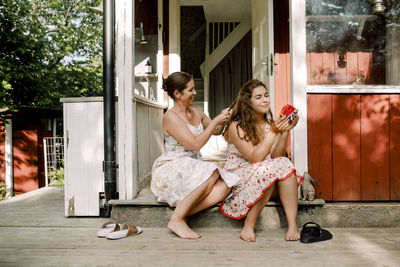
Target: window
[353,42]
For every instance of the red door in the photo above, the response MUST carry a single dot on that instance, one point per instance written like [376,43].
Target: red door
[25,154]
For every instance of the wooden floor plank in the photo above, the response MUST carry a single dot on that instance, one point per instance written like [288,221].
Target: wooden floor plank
[44,237]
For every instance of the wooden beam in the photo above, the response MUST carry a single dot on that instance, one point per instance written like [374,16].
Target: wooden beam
[126,145]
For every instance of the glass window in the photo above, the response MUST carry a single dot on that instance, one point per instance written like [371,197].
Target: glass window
[353,42]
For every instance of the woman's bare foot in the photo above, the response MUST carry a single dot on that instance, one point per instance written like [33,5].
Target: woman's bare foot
[292,234]
[181,229]
[248,234]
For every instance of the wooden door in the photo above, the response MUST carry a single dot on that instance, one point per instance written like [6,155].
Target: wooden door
[25,160]
[263,43]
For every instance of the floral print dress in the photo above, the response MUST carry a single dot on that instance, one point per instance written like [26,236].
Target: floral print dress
[255,179]
[179,171]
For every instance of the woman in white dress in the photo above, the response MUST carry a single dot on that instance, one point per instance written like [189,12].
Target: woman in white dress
[179,176]
[256,153]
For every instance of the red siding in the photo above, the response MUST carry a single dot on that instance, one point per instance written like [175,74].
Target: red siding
[25,149]
[351,67]
[319,144]
[375,147]
[346,147]
[365,141]
[2,154]
[394,147]
[322,68]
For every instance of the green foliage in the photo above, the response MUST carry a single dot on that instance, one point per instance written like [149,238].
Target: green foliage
[49,49]
[56,176]
[2,192]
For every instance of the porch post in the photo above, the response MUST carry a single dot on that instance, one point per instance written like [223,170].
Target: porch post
[9,159]
[125,23]
[174,36]
[298,81]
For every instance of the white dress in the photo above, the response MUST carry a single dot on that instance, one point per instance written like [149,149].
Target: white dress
[179,171]
[255,179]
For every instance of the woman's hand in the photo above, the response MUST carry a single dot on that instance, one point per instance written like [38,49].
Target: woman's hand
[221,120]
[280,125]
[223,116]
[293,123]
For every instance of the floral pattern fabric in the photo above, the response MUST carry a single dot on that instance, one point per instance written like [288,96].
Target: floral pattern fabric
[179,171]
[255,179]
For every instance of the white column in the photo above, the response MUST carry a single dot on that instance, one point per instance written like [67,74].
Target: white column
[160,55]
[298,81]
[206,72]
[125,38]
[9,160]
[174,36]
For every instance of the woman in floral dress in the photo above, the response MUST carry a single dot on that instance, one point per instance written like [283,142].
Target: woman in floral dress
[179,176]
[256,150]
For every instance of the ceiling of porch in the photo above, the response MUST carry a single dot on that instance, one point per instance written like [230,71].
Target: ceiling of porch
[216,10]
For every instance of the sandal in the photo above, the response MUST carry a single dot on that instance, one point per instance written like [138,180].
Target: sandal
[126,230]
[108,227]
[314,233]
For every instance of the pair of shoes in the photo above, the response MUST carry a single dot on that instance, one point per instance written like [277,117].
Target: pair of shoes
[126,230]
[108,227]
[312,232]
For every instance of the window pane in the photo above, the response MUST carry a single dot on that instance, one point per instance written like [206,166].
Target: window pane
[353,42]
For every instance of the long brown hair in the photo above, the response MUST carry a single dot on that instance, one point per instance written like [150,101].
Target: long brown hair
[244,114]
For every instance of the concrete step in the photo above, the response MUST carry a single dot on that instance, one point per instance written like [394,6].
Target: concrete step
[147,212]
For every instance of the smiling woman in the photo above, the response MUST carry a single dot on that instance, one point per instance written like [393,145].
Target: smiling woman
[180,177]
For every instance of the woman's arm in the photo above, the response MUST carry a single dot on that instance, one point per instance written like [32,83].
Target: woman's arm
[259,153]
[206,121]
[279,147]
[246,148]
[177,128]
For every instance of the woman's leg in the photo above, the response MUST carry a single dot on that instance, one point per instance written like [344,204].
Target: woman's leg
[247,233]
[177,223]
[288,195]
[217,194]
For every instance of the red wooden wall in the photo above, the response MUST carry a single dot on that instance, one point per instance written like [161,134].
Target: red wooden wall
[25,154]
[281,59]
[322,68]
[2,154]
[353,144]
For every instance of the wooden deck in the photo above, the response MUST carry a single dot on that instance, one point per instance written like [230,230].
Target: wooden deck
[34,232]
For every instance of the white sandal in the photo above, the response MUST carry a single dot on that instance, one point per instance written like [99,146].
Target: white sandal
[107,228]
[126,230]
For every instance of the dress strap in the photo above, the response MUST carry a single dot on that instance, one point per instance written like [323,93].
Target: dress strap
[195,111]
[183,118]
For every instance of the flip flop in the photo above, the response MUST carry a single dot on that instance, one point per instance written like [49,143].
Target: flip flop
[108,227]
[314,233]
[126,230]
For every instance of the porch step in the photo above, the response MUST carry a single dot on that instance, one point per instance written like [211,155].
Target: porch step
[147,212]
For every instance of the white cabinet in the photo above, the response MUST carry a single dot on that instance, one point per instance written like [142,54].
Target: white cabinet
[84,150]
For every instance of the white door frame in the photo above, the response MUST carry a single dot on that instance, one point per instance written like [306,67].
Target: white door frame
[263,44]
[298,81]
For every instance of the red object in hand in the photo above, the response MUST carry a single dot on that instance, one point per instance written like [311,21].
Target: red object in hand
[288,111]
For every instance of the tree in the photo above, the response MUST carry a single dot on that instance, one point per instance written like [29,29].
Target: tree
[49,49]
